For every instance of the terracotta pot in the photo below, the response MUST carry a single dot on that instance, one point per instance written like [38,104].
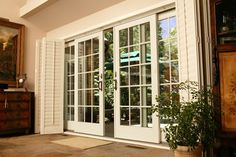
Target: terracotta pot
[183,151]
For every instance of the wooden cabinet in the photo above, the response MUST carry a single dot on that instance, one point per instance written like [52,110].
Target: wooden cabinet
[228,90]
[223,26]
[16,112]
[223,33]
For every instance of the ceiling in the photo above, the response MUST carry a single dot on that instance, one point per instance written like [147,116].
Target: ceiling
[63,12]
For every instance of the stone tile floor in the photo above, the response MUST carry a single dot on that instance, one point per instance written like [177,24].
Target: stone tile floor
[42,146]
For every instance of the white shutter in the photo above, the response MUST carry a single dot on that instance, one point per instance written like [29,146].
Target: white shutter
[49,86]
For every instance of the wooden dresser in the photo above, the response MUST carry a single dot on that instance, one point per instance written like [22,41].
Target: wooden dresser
[16,112]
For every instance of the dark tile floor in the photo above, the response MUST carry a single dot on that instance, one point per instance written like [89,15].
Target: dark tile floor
[42,146]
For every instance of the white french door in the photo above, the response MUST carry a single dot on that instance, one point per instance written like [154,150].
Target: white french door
[136,80]
[87,87]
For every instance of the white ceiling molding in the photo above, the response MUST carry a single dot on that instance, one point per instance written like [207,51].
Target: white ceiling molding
[33,6]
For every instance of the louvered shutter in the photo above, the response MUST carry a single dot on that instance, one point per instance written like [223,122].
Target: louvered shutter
[49,85]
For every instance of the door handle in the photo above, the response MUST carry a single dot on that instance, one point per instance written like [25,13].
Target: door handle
[5,104]
[115,84]
[100,85]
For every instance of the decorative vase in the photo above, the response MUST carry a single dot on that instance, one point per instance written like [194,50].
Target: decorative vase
[183,151]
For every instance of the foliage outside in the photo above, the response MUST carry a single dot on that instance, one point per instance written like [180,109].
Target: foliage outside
[190,123]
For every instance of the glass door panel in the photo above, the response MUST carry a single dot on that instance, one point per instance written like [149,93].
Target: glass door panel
[69,83]
[168,57]
[88,86]
[135,84]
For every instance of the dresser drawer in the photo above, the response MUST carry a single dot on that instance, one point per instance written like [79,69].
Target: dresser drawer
[2,106]
[15,96]
[16,124]
[18,106]
[14,106]
[14,115]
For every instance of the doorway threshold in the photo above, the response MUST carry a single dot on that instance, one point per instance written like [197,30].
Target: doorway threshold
[158,145]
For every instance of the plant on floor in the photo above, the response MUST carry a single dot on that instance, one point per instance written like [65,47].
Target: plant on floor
[190,123]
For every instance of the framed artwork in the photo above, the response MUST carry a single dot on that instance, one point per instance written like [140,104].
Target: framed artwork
[11,52]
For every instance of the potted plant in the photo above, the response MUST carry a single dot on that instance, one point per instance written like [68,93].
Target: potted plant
[191,118]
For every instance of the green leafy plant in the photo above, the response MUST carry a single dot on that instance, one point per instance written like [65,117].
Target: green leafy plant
[190,122]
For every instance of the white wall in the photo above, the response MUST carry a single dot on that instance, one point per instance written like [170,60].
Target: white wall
[106,16]
[10,9]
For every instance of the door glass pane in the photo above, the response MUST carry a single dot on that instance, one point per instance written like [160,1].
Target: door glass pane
[124,77]
[95,115]
[95,79]
[163,29]
[175,88]
[68,113]
[174,72]
[134,55]
[95,45]
[172,30]
[145,32]
[88,79]
[145,53]
[80,65]
[88,47]
[168,56]
[134,35]
[124,96]
[164,72]
[80,81]
[123,34]
[165,89]
[68,98]
[88,63]
[72,113]
[88,114]
[72,98]
[163,49]
[88,97]
[72,82]
[173,49]
[124,56]
[147,117]
[124,116]
[81,114]
[67,53]
[134,75]
[69,82]
[135,96]
[72,68]
[80,98]
[72,56]
[146,74]
[95,62]
[146,96]
[81,49]
[135,116]
[96,97]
